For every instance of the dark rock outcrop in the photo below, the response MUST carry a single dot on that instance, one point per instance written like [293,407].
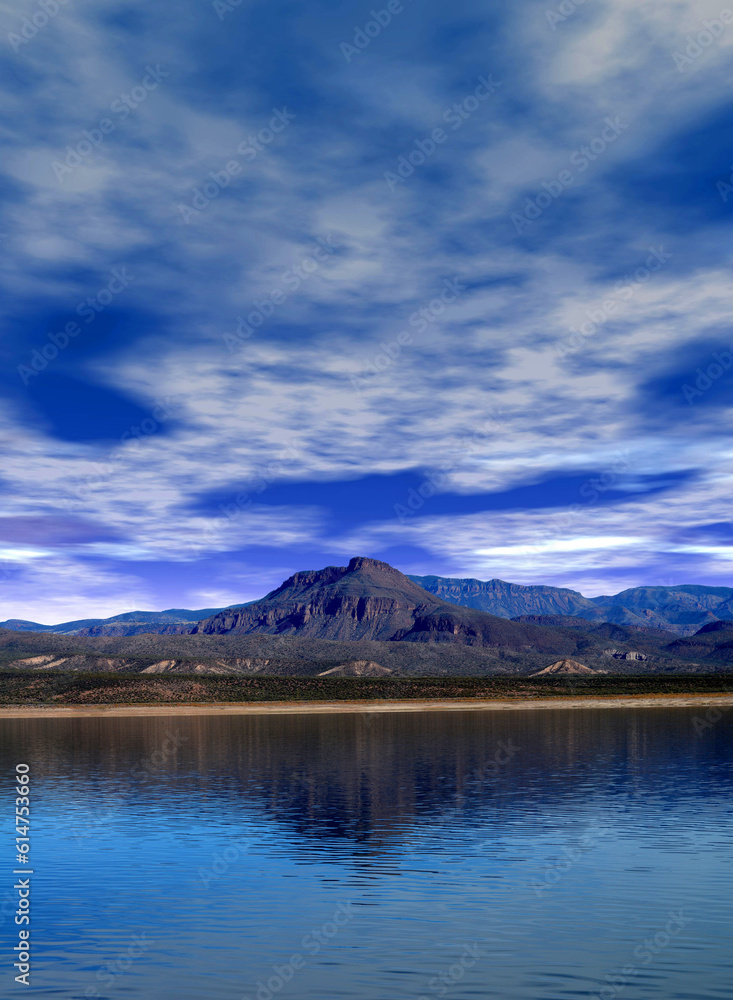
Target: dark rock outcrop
[681,610]
[369,599]
[506,600]
[712,642]
[555,621]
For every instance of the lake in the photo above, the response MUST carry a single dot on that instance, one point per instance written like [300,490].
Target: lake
[524,855]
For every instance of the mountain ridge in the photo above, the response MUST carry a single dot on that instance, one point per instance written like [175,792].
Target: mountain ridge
[681,609]
[366,612]
[371,600]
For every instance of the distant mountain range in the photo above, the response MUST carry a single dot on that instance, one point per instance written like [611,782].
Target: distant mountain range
[370,613]
[682,610]
[171,622]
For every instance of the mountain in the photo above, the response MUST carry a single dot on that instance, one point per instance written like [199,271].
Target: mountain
[712,642]
[563,621]
[682,609]
[507,600]
[170,622]
[421,636]
[293,655]
[685,597]
[609,631]
[67,628]
[20,625]
[371,600]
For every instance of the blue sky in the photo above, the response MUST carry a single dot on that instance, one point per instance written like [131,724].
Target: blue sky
[282,284]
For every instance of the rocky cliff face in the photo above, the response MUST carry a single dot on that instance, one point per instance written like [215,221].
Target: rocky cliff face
[555,621]
[507,600]
[713,641]
[369,599]
[120,629]
[681,610]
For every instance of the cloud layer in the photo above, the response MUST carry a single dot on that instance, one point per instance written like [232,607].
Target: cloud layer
[281,286]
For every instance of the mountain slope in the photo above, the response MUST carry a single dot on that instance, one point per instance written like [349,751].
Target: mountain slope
[21,625]
[66,628]
[366,598]
[681,610]
[507,600]
[371,600]
[713,642]
[172,621]
[290,655]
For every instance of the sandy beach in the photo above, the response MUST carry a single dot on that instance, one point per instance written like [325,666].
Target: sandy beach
[720,701]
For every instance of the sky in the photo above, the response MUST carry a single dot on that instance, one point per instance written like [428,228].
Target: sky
[447,285]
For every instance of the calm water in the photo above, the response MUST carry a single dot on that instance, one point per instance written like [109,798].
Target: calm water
[521,855]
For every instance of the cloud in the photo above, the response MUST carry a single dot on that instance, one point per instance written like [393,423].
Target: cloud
[562,353]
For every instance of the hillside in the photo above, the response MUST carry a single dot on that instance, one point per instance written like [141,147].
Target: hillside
[682,609]
[130,623]
[507,600]
[372,600]
[368,611]
[712,642]
[279,655]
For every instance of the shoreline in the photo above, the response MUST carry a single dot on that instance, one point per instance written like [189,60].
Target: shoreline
[362,707]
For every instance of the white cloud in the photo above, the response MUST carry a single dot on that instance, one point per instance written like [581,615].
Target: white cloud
[489,363]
